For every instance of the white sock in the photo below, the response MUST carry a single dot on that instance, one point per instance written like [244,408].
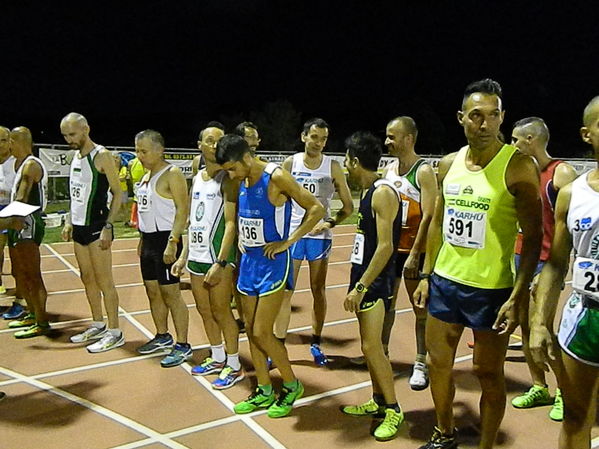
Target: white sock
[98,324]
[233,361]
[218,353]
[115,332]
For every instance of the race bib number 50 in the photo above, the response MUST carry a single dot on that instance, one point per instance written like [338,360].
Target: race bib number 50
[251,232]
[464,228]
[585,276]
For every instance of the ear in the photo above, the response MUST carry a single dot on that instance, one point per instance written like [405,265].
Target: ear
[460,116]
[199,144]
[303,137]
[584,133]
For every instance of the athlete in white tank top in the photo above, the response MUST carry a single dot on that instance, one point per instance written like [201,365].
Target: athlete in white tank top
[7,179]
[155,212]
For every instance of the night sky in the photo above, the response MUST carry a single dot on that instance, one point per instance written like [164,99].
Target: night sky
[173,66]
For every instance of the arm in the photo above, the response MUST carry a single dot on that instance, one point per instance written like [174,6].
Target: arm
[549,287]
[522,179]
[105,164]
[178,189]
[288,164]
[428,195]
[563,175]
[385,206]
[177,268]
[195,164]
[342,189]
[32,174]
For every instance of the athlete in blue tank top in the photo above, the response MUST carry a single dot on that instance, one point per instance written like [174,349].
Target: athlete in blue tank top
[263,226]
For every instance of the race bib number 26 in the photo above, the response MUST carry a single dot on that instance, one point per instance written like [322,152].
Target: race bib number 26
[465,229]
[585,276]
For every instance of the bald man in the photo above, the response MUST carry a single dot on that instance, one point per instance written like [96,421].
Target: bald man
[92,174]
[30,186]
[531,136]
[213,129]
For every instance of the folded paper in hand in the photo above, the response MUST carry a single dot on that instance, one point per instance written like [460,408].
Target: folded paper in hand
[18,209]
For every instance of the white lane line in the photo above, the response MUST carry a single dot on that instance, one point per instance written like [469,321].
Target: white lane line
[123,420]
[66,270]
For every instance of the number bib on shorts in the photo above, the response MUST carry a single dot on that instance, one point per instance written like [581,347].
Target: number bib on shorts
[251,232]
[465,229]
[357,253]
[585,277]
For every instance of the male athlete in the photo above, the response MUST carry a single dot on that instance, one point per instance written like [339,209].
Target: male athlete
[249,132]
[372,275]
[264,212]
[322,176]
[90,225]
[531,136]
[216,129]
[487,188]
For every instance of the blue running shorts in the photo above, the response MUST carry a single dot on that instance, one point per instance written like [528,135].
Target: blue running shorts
[261,276]
[311,249]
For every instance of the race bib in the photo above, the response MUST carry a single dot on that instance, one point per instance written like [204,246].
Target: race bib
[585,276]
[357,252]
[251,232]
[197,238]
[144,200]
[78,191]
[312,186]
[405,207]
[465,229]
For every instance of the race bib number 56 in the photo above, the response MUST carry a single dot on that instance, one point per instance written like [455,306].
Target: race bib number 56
[464,228]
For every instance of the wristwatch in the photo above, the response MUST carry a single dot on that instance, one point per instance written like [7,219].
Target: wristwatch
[222,263]
[360,288]
[424,275]
[172,238]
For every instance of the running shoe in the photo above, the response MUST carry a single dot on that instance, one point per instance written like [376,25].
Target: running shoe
[419,379]
[26,321]
[156,344]
[319,358]
[107,342]
[370,408]
[36,330]
[15,312]
[255,401]
[441,441]
[387,430]
[178,355]
[557,411]
[534,397]
[284,404]
[91,333]
[227,378]
[208,366]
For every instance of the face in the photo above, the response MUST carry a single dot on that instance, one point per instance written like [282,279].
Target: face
[74,134]
[315,139]
[396,139]
[239,169]
[252,138]
[4,144]
[481,118]
[351,164]
[149,153]
[590,132]
[210,137]
[522,140]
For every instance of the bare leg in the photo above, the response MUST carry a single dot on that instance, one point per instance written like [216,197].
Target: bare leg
[88,277]
[201,297]
[250,304]
[157,306]
[318,277]
[284,317]
[220,304]
[102,265]
[171,294]
[28,253]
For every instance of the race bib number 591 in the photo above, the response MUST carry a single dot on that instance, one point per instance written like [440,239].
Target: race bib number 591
[465,229]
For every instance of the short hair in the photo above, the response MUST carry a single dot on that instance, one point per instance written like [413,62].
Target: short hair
[318,122]
[408,124]
[240,129]
[75,117]
[212,124]
[366,147]
[154,136]
[231,148]
[591,111]
[486,86]
[5,129]
[537,125]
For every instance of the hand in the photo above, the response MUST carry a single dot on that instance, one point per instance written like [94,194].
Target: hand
[273,248]
[16,223]
[507,317]
[410,268]
[353,300]
[105,238]
[320,228]
[420,295]
[214,275]
[177,268]
[139,243]
[170,253]
[541,346]
[67,232]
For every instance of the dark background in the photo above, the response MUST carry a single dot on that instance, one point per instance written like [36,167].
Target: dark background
[173,66]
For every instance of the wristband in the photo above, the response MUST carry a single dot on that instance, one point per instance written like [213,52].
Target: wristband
[222,263]
[331,221]
[424,275]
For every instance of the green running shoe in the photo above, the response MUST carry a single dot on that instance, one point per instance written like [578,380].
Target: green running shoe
[26,321]
[557,411]
[36,330]
[370,408]
[387,430]
[534,397]
[284,404]
[255,401]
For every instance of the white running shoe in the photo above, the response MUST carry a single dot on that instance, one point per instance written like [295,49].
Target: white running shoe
[91,333]
[419,378]
[107,343]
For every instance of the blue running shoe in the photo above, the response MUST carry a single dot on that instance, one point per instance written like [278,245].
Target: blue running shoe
[208,366]
[15,312]
[319,358]
[227,378]
[178,355]
[156,344]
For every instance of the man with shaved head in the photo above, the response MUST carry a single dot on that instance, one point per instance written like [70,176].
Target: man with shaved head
[531,136]
[30,186]
[93,173]
[209,136]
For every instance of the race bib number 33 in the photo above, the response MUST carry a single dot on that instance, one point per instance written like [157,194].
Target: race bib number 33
[251,232]
[464,228]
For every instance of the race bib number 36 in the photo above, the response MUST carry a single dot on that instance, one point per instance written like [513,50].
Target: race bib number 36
[357,252]
[465,229]
[585,276]
[251,232]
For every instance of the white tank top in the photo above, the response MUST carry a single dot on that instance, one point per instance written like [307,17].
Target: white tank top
[155,213]
[42,186]
[319,182]
[206,217]
[82,185]
[583,224]
[7,179]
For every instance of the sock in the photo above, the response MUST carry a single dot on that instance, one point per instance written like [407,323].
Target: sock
[165,335]
[421,358]
[98,324]
[316,339]
[266,389]
[218,353]
[282,340]
[116,332]
[378,398]
[293,385]
[185,345]
[394,406]
[233,361]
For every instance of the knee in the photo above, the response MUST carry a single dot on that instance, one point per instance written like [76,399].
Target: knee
[88,278]
[370,347]
[221,314]
[261,334]
[488,376]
